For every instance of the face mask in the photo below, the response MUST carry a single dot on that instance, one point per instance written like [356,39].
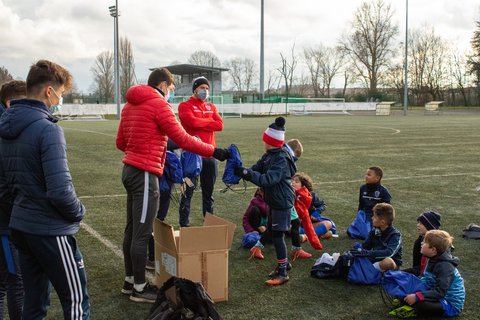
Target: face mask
[170,96]
[56,107]
[202,94]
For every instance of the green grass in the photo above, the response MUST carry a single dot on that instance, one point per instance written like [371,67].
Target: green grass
[430,162]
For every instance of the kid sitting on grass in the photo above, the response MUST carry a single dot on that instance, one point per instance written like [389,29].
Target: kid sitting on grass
[255,217]
[302,184]
[445,293]
[273,172]
[384,242]
[427,221]
[371,193]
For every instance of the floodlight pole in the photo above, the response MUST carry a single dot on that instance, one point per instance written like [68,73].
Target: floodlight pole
[115,13]
[405,87]
[262,90]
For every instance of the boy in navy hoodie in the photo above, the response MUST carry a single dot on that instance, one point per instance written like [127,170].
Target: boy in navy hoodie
[274,172]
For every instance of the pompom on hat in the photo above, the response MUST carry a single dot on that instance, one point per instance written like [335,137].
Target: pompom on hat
[430,219]
[275,133]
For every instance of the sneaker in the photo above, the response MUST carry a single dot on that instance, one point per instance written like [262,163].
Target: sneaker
[300,254]
[274,273]
[127,288]
[148,294]
[327,235]
[278,280]
[396,303]
[150,265]
[256,253]
[403,312]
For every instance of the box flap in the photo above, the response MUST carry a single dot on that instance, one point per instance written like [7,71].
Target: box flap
[164,234]
[212,220]
[197,239]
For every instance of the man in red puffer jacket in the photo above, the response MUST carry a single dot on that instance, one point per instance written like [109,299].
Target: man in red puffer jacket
[147,121]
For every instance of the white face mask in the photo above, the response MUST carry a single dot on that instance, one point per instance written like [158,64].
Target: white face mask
[56,107]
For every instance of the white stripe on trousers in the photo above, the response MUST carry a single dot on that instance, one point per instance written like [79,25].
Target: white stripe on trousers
[73,278]
[145,198]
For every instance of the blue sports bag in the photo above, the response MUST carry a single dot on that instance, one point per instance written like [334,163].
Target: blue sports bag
[191,164]
[359,228]
[362,271]
[234,161]
[399,284]
[172,172]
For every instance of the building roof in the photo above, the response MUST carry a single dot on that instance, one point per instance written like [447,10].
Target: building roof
[180,69]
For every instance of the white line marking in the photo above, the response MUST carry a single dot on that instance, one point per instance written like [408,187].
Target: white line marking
[317,183]
[89,131]
[102,239]
[395,130]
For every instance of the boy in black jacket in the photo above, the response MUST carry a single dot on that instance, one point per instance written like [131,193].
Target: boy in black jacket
[274,172]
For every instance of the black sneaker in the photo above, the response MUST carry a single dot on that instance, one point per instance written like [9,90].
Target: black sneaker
[274,273]
[127,288]
[148,294]
[150,265]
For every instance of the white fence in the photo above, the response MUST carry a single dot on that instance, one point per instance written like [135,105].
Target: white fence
[244,108]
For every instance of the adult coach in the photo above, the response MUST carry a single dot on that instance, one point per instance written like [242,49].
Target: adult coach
[201,119]
[46,212]
[146,123]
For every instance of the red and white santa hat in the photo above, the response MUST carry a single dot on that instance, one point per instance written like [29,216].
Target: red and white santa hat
[275,133]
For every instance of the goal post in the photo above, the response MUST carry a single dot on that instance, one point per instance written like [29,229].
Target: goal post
[311,106]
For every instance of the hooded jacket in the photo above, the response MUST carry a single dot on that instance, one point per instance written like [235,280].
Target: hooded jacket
[384,244]
[146,123]
[274,172]
[34,171]
[444,283]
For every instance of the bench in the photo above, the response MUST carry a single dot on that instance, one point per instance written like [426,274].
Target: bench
[433,107]
[383,108]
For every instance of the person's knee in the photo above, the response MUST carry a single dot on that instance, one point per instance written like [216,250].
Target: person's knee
[388,264]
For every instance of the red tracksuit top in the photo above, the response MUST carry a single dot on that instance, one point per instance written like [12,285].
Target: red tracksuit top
[201,119]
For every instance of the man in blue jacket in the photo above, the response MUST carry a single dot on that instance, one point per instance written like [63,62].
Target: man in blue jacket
[46,212]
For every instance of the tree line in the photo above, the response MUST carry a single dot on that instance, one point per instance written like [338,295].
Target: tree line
[367,63]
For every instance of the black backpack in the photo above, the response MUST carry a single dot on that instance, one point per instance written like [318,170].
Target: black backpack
[180,299]
[472,231]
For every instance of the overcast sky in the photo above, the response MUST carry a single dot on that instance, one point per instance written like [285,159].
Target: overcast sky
[73,33]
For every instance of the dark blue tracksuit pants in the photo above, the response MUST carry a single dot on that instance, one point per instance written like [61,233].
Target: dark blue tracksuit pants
[208,176]
[11,283]
[56,260]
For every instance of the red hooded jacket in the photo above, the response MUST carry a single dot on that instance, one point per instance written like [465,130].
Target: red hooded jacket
[146,124]
[201,119]
[303,200]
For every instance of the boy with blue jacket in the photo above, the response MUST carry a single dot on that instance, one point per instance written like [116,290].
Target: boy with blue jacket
[445,293]
[274,172]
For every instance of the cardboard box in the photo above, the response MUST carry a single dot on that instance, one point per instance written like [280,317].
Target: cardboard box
[196,253]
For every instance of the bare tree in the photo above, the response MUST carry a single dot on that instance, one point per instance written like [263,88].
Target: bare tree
[235,71]
[474,58]
[204,58]
[243,73]
[273,81]
[5,76]
[103,76]
[127,66]
[459,74]
[427,68]
[287,70]
[370,43]
[312,58]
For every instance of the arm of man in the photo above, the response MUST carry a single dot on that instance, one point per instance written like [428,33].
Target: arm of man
[120,140]
[168,123]
[187,117]
[59,186]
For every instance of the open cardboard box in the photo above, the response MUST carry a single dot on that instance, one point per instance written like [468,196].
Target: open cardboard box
[196,253]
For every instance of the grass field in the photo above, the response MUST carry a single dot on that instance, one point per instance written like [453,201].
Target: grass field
[430,162]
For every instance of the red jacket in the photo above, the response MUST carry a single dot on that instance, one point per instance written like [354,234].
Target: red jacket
[201,119]
[303,200]
[146,124]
